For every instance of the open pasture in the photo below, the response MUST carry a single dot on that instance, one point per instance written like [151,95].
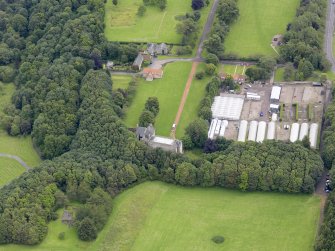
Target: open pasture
[259,21]
[123,24]
[121,81]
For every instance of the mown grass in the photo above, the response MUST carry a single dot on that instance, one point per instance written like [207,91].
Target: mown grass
[196,94]
[121,81]
[259,21]
[157,216]
[9,169]
[279,74]
[20,146]
[168,90]
[122,23]
[232,69]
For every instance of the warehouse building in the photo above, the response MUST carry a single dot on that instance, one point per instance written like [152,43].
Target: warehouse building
[303,131]
[313,135]
[271,131]
[228,107]
[261,132]
[212,127]
[294,132]
[275,94]
[242,133]
[253,130]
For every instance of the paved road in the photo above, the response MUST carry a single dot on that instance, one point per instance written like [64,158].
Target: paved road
[207,28]
[329,34]
[18,159]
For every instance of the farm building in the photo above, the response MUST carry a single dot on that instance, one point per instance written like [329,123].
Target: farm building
[239,78]
[224,125]
[148,135]
[271,131]
[261,131]
[277,40]
[151,74]
[242,133]
[275,94]
[253,96]
[274,108]
[313,135]
[294,132]
[137,65]
[158,49]
[67,218]
[227,107]
[253,130]
[212,127]
[303,131]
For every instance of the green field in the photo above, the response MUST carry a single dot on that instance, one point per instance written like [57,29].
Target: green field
[279,75]
[259,21]
[9,169]
[121,81]
[195,95]
[122,23]
[168,90]
[233,69]
[157,216]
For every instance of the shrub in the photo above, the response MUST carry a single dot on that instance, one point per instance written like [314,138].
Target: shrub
[61,236]
[218,239]
[200,75]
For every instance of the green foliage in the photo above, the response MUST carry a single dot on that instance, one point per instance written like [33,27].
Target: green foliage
[200,75]
[115,2]
[210,69]
[87,230]
[141,10]
[197,131]
[218,239]
[152,105]
[146,118]
[263,70]
[197,4]
[186,174]
[304,38]
[212,59]
[61,236]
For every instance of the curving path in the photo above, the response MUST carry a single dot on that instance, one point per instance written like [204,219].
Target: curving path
[18,159]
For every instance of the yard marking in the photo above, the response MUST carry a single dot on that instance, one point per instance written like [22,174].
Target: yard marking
[243,70]
[274,49]
[235,69]
[185,94]
[159,28]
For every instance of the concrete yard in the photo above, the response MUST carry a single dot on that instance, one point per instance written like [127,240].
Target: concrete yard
[308,99]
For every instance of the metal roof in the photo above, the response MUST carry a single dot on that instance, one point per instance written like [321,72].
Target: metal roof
[242,133]
[227,107]
[294,132]
[303,131]
[275,93]
[271,131]
[253,130]
[261,131]
[313,135]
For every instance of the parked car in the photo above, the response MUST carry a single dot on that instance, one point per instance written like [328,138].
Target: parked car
[261,114]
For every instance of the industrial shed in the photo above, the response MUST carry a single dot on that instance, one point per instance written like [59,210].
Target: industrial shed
[261,132]
[224,125]
[217,128]
[303,131]
[275,94]
[313,135]
[294,132]
[271,131]
[253,130]
[228,107]
[242,133]
[212,127]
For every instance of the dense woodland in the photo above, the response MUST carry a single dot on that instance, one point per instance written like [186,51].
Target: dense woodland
[303,40]
[55,49]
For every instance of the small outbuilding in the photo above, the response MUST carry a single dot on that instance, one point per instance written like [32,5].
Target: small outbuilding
[67,218]
[137,65]
[158,49]
[277,40]
[275,94]
[150,74]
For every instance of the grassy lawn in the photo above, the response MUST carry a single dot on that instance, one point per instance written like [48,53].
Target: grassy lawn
[9,169]
[157,216]
[168,90]
[279,75]
[121,81]
[195,95]
[259,21]
[122,23]
[232,69]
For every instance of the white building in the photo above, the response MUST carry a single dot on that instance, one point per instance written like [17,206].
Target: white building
[294,132]
[253,130]
[211,130]
[303,131]
[224,125]
[227,107]
[217,128]
[274,108]
[313,135]
[242,133]
[271,130]
[261,131]
[275,94]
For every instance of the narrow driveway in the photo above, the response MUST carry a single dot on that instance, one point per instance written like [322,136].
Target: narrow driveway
[329,34]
